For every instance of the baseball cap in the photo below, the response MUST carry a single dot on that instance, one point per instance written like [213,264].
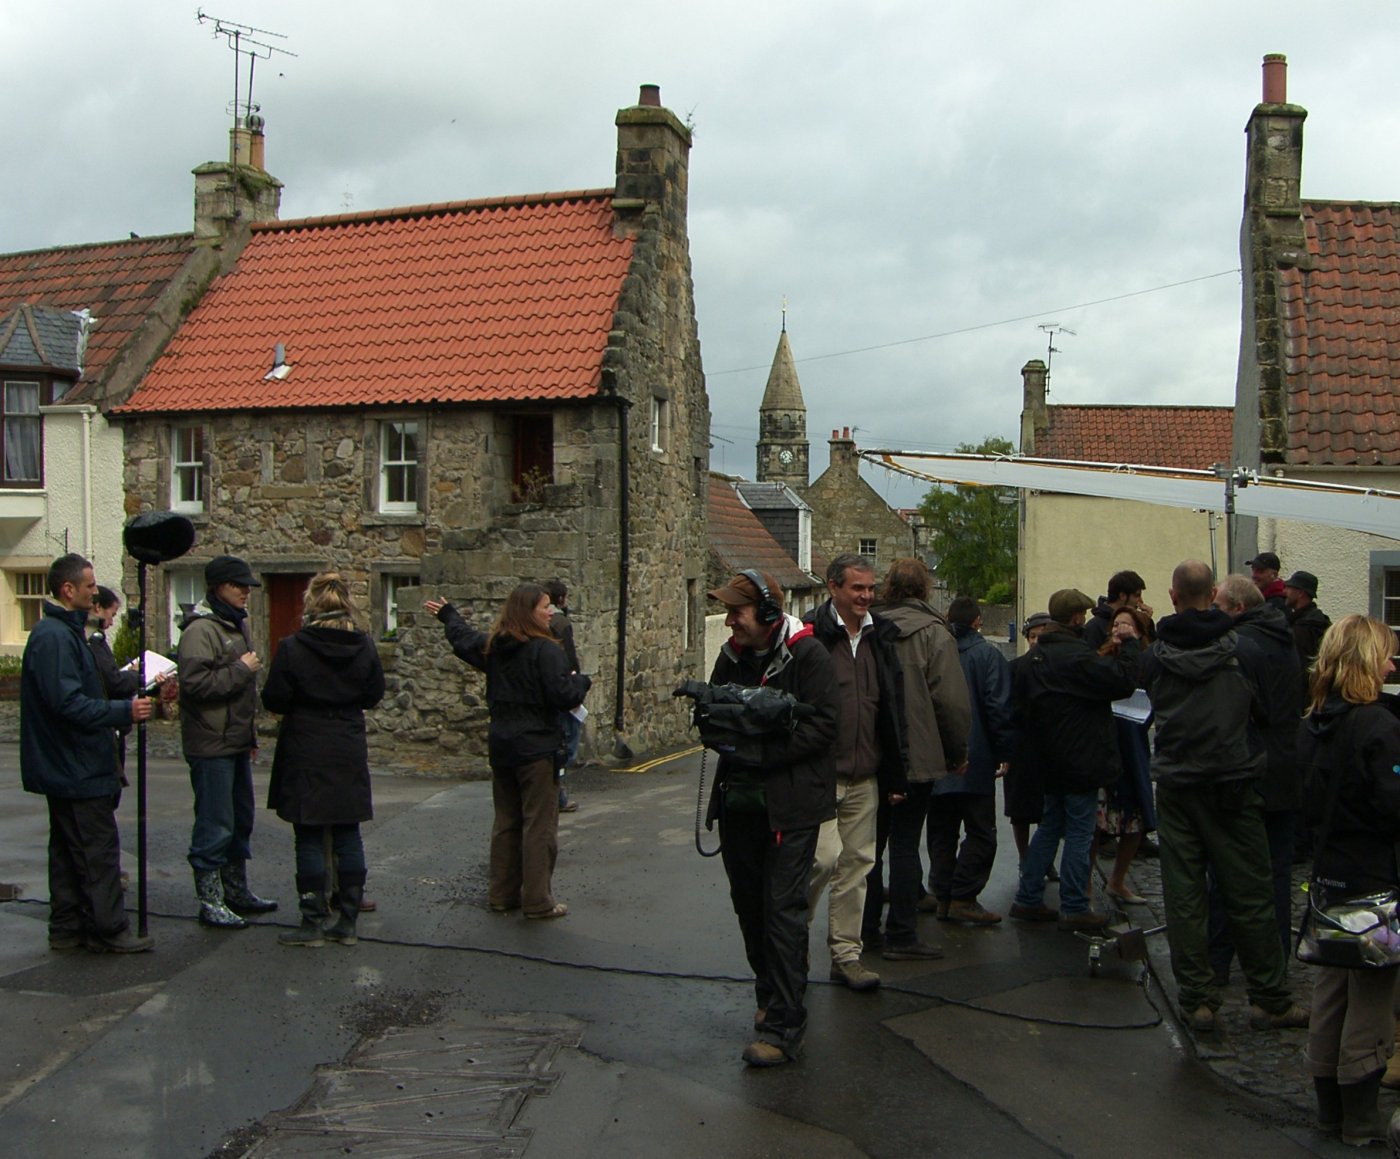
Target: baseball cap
[1265,559]
[741,590]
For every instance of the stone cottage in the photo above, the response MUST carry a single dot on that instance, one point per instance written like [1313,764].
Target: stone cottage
[446,400]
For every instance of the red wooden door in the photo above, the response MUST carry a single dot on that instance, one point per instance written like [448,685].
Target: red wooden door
[284,592]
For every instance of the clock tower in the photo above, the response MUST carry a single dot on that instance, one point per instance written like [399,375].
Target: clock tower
[782,424]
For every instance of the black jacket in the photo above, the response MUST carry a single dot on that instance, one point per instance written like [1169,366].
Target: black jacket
[893,771]
[1062,694]
[1203,679]
[1100,624]
[120,683]
[1280,707]
[1360,743]
[1308,626]
[320,683]
[799,771]
[528,684]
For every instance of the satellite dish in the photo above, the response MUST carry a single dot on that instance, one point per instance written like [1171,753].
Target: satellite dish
[158,536]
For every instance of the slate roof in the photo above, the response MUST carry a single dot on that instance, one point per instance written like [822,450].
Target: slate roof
[1341,323]
[119,282]
[738,540]
[1169,436]
[42,338]
[770,496]
[508,299]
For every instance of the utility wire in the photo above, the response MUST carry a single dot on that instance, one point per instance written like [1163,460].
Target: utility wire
[984,325]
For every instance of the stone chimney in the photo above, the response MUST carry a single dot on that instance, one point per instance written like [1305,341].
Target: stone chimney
[237,192]
[1035,414]
[653,161]
[1274,159]
[843,452]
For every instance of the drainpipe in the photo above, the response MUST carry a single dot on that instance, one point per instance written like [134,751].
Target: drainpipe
[624,575]
[87,483]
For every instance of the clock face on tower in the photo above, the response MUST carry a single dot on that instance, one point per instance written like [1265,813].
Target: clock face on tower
[785,458]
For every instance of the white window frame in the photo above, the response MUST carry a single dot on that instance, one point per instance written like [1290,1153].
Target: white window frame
[390,583]
[183,585]
[187,466]
[28,589]
[396,462]
[660,422]
[868,548]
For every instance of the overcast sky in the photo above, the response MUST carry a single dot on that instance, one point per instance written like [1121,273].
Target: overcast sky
[924,183]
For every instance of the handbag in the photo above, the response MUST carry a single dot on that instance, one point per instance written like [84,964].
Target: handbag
[1353,933]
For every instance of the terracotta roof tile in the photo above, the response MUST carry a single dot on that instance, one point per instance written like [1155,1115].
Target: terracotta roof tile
[738,540]
[118,282]
[484,301]
[1341,319]
[1169,436]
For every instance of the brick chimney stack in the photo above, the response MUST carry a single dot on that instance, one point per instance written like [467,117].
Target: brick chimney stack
[239,191]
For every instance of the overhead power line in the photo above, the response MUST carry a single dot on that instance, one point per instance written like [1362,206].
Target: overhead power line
[986,325]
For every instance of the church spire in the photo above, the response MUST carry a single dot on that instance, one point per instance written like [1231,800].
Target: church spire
[782,422]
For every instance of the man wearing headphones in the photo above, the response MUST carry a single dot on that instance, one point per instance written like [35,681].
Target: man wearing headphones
[770,812]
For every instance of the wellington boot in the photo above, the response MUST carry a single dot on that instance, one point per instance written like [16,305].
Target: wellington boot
[1363,1122]
[209,888]
[237,896]
[1329,1103]
[309,933]
[343,931]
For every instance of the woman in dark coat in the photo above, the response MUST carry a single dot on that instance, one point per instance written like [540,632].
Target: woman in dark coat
[322,680]
[1350,745]
[528,685]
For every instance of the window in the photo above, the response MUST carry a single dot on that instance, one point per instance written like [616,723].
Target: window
[660,423]
[533,465]
[188,486]
[398,466]
[1390,607]
[31,590]
[867,548]
[23,433]
[1385,594]
[391,586]
[186,590]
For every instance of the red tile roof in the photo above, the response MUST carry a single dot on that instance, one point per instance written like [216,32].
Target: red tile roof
[1341,320]
[476,301]
[738,540]
[118,282]
[1166,436]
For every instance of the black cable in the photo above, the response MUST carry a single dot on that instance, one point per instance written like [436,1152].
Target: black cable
[690,976]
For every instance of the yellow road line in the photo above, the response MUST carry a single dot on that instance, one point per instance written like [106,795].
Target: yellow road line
[647,766]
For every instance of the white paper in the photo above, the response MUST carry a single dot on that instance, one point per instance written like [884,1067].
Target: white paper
[1135,707]
[578,713]
[156,666]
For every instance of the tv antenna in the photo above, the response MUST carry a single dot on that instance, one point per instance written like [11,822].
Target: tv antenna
[1052,328]
[242,39]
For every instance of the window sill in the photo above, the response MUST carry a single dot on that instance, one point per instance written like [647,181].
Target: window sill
[393,519]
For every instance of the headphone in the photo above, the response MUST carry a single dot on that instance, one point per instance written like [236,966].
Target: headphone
[768,611]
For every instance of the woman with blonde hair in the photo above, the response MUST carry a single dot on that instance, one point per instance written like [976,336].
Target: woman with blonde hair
[1349,751]
[528,685]
[322,680]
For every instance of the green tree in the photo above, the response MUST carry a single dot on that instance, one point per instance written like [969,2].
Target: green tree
[974,529]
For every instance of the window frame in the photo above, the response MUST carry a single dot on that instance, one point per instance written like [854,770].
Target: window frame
[195,579]
[1385,567]
[409,469]
[197,468]
[21,600]
[868,551]
[660,425]
[43,392]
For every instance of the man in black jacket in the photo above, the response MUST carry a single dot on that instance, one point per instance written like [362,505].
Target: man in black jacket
[1204,681]
[1125,590]
[1307,621]
[871,762]
[1063,693]
[770,812]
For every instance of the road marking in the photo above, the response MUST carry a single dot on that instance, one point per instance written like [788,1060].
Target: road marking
[647,766]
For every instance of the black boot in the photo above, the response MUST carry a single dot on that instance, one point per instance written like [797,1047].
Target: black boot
[343,931]
[209,888]
[311,898]
[1329,1103]
[237,896]
[1363,1122]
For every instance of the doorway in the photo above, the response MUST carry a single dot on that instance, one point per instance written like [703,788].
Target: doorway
[286,592]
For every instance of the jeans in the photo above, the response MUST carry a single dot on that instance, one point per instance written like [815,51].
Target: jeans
[223,810]
[1069,816]
[346,845]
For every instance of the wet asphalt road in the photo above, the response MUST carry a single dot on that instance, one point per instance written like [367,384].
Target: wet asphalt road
[616,1031]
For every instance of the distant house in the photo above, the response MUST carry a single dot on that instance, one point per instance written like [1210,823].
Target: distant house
[1079,541]
[1317,395]
[848,514]
[79,324]
[446,400]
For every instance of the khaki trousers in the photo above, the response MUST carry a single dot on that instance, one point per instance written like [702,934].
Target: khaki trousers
[1351,1031]
[845,853]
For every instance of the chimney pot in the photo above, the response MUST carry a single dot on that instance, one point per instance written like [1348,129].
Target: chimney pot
[845,432]
[835,434]
[650,96]
[1275,79]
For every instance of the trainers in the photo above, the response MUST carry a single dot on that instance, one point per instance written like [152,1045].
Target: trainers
[1087,920]
[932,904]
[761,1053]
[123,943]
[909,951]
[970,911]
[1201,1020]
[854,976]
[1034,913]
[1261,1019]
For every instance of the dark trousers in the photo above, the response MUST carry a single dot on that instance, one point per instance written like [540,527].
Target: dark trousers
[957,873]
[875,893]
[768,874]
[1220,825]
[346,846]
[906,823]
[524,837]
[85,889]
[223,810]
[1278,828]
